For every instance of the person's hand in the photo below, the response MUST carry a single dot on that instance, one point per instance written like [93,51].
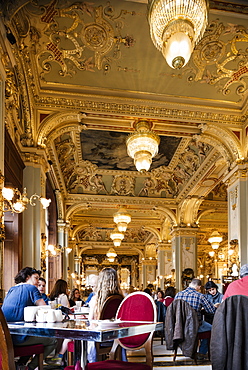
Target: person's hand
[216,305]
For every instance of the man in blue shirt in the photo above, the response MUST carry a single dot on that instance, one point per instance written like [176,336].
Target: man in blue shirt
[198,301]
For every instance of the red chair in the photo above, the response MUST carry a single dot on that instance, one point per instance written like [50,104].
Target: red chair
[35,349]
[108,312]
[205,335]
[8,352]
[137,306]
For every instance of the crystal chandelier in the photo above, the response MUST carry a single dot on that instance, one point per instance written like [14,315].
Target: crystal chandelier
[16,202]
[117,237]
[122,219]
[176,26]
[142,145]
[215,239]
[111,254]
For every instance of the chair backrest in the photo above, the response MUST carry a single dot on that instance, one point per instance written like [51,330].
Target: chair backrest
[6,346]
[110,306]
[137,306]
[229,340]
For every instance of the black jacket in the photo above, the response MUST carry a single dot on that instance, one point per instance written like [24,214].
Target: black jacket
[229,339]
[181,327]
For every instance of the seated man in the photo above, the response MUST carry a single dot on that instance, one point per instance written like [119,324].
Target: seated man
[198,301]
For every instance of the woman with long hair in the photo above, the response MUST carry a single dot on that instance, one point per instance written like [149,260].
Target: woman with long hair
[74,297]
[108,285]
[59,292]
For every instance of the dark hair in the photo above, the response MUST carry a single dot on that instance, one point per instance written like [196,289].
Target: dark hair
[170,291]
[150,286]
[24,273]
[210,284]
[72,295]
[59,288]
[42,279]
[162,293]
[148,291]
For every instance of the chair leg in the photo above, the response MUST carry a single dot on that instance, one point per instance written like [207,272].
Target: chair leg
[40,361]
[70,358]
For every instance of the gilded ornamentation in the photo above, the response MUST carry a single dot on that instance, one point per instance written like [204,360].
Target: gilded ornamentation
[234,198]
[90,233]
[221,58]
[123,185]
[91,41]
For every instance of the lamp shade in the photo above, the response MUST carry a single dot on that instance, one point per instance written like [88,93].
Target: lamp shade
[215,239]
[122,219]
[111,253]
[142,145]
[117,237]
[176,26]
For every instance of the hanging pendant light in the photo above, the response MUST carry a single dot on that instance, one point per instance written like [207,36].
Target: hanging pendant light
[117,237]
[111,254]
[142,145]
[176,26]
[215,239]
[122,219]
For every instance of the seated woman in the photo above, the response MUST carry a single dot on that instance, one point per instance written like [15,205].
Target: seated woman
[108,285]
[75,296]
[25,293]
[42,288]
[213,296]
[170,293]
[59,294]
[160,296]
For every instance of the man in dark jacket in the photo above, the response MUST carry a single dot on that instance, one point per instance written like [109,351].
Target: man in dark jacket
[198,301]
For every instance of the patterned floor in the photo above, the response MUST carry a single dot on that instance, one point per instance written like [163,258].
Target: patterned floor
[163,359]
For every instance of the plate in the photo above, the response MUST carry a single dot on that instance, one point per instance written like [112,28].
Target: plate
[106,323]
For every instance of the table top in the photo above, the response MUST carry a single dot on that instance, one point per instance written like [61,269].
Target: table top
[82,330]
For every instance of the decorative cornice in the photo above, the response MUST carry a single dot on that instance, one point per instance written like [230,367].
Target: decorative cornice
[136,109]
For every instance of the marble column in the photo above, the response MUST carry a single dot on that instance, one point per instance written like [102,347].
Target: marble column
[34,216]
[164,262]
[184,248]
[148,271]
[237,182]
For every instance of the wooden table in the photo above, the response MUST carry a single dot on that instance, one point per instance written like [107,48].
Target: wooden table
[78,331]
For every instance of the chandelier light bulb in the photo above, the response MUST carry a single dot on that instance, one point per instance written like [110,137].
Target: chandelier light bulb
[18,207]
[176,27]
[45,202]
[8,193]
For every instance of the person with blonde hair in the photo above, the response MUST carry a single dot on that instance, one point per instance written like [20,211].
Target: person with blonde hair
[107,285]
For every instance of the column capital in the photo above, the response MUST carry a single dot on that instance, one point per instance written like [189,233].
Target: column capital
[184,231]
[240,171]
[164,246]
[148,262]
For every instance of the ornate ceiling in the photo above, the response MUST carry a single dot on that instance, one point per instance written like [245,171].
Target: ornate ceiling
[90,70]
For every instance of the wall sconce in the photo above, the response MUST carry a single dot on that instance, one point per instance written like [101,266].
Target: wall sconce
[211,253]
[16,202]
[12,200]
[50,251]
[215,239]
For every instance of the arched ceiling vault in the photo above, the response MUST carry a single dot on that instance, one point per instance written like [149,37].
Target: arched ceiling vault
[83,101]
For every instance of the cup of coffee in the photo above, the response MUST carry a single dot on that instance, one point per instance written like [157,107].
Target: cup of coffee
[78,305]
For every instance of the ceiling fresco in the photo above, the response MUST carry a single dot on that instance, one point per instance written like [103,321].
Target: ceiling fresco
[91,71]
[106,45]
[107,150]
